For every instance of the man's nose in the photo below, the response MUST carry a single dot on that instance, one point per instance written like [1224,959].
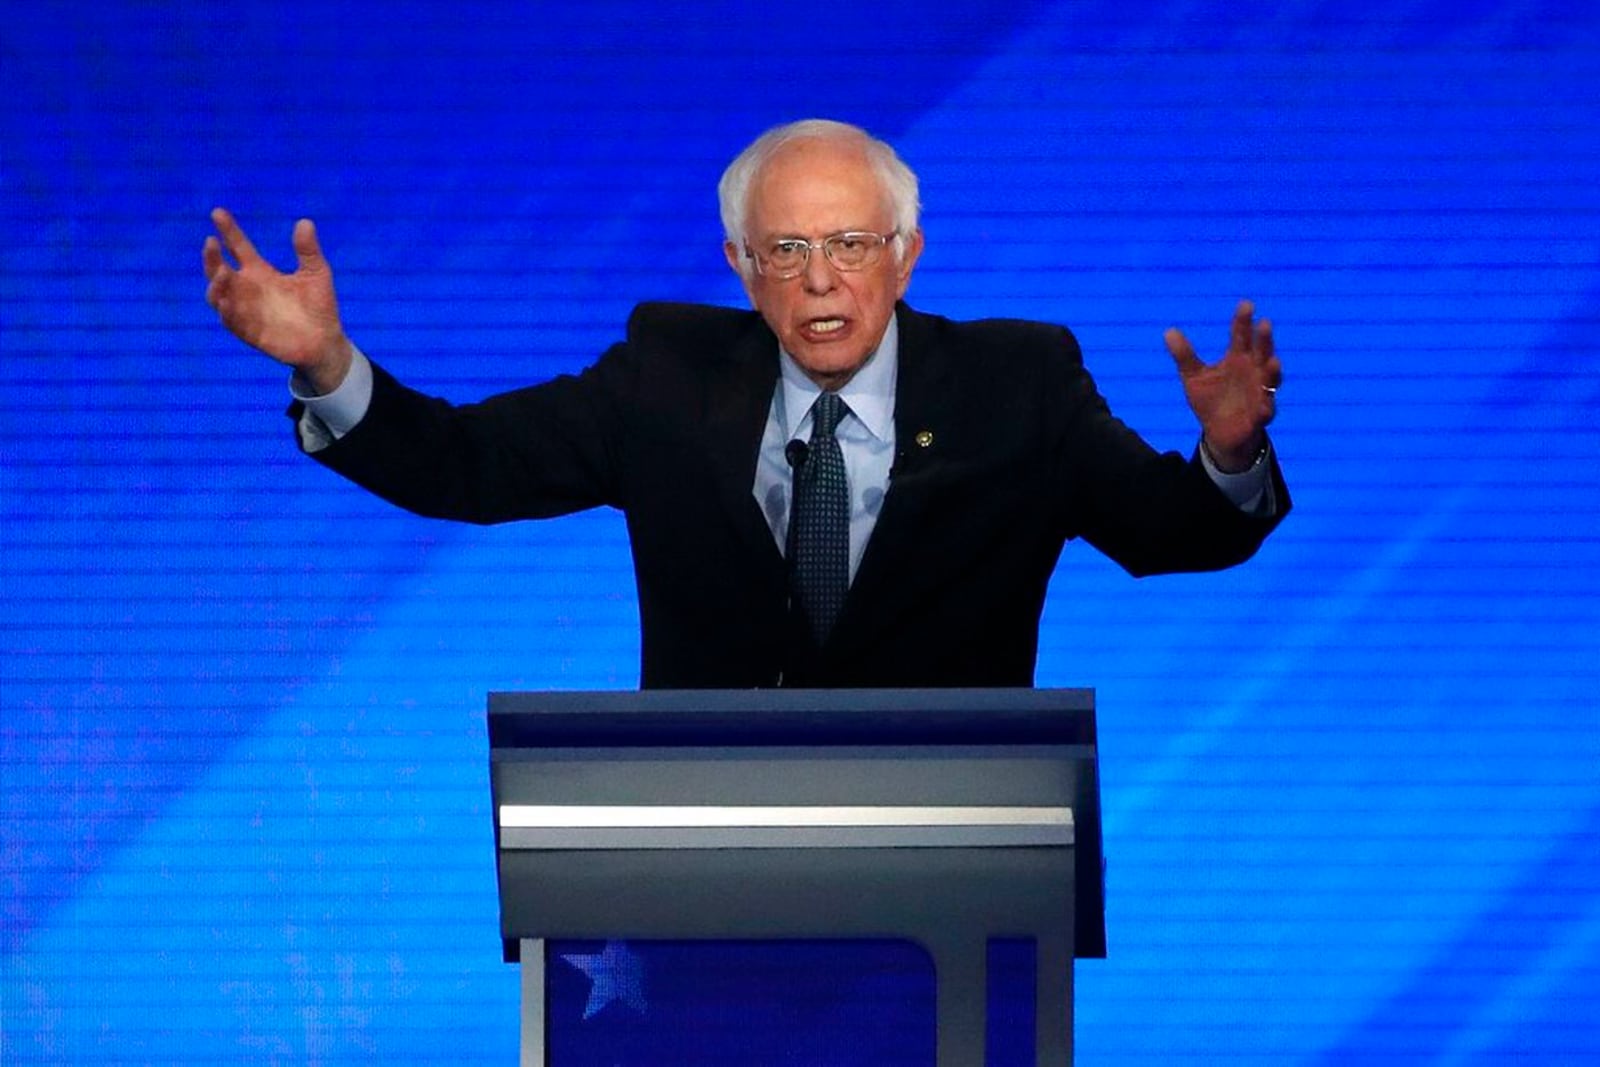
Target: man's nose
[820,275]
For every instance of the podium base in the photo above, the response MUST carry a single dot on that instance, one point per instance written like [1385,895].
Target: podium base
[961,982]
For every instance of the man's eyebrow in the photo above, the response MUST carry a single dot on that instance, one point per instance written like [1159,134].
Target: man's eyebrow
[824,237]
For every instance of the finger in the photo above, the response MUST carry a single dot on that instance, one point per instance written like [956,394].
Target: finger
[1239,339]
[211,257]
[1271,378]
[233,237]
[306,248]
[1264,348]
[1182,352]
[217,290]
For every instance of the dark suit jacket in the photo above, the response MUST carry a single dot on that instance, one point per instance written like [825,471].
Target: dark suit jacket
[1021,454]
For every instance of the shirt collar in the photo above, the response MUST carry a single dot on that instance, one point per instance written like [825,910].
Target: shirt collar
[869,392]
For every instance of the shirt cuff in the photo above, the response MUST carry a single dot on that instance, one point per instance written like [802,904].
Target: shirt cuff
[329,416]
[1249,490]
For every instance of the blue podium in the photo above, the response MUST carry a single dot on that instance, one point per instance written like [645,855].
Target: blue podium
[946,817]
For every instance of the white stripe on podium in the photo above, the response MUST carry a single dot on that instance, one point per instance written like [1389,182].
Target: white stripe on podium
[608,826]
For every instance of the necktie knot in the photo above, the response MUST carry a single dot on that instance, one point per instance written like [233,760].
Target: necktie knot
[825,415]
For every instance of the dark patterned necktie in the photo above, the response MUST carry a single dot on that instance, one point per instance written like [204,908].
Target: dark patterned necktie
[819,522]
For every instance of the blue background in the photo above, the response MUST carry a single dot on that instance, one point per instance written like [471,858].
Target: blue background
[1352,790]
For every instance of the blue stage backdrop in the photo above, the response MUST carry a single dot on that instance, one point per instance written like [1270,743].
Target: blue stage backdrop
[1352,790]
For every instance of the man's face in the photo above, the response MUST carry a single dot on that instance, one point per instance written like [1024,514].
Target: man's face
[829,320]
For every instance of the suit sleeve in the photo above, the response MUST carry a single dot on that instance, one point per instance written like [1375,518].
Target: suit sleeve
[1152,512]
[541,451]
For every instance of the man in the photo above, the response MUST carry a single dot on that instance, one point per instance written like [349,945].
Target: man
[935,468]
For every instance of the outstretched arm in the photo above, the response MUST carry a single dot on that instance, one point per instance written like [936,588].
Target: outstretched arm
[1236,397]
[294,318]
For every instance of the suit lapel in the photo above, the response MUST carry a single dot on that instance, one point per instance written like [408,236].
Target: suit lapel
[737,402]
[924,409]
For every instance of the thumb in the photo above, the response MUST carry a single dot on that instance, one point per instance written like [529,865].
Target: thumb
[1182,352]
[306,248]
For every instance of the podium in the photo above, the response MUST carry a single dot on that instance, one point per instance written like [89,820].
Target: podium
[946,817]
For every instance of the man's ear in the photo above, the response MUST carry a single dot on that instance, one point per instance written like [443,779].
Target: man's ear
[908,262]
[732,253]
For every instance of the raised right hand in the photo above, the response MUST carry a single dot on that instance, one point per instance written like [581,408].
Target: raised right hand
[294,318]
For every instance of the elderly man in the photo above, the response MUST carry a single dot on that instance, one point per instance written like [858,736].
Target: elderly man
[833,490]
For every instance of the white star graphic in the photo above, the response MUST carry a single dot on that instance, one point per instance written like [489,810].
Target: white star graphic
[615,973]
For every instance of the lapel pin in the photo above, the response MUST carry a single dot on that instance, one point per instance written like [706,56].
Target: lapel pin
[924,438]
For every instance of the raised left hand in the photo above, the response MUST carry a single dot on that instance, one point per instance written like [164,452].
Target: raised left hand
[1237,396]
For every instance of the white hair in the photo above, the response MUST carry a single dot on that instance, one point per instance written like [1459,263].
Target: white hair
[898,180]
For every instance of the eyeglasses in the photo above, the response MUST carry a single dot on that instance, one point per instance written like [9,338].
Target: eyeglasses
[787,257]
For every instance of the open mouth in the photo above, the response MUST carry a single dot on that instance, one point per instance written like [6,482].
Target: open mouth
[823,327]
